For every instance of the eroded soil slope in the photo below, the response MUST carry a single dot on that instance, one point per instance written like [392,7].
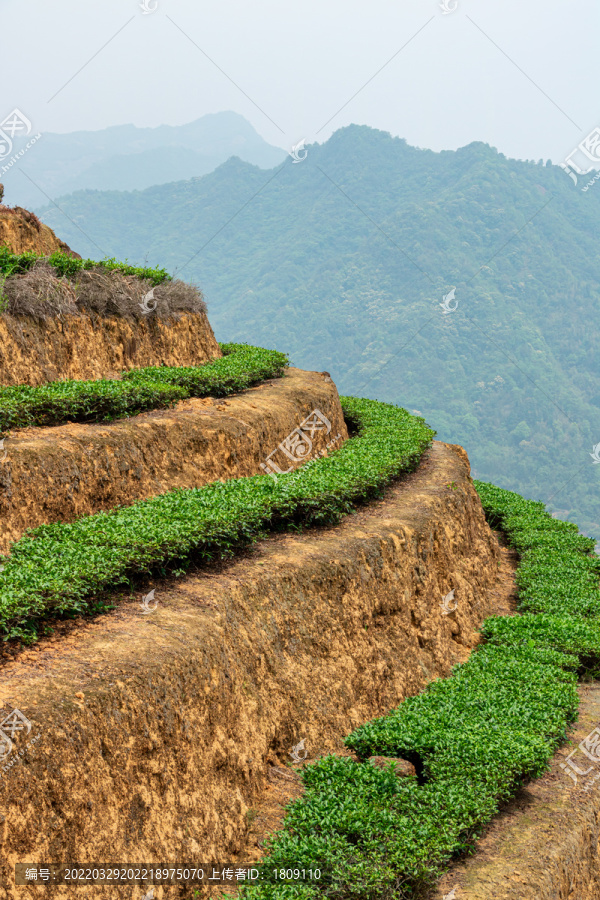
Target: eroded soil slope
[157,731]
[20,231]
[84,347]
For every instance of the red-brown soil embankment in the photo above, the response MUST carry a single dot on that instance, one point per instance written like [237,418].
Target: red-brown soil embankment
[22,231]
[156,730]
[58,474]
[285,784]
[34,351]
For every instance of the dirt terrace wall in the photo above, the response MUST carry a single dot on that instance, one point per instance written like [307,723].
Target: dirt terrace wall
[156,731]
[19,231]
[85,347]
[61,473]
[545,843]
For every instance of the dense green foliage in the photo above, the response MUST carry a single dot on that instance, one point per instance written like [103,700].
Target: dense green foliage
[241,367]
[474,737]
[81,401]
[69,266]
[558,571]
[61,568]
[139,390]
[330,257]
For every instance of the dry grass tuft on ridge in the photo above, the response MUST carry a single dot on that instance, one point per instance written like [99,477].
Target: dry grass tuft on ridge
[42,294]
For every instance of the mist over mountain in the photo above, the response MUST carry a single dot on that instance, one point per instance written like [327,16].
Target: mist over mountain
[128,158]
[343,260]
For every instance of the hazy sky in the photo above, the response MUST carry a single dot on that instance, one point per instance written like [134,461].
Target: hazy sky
[518,74]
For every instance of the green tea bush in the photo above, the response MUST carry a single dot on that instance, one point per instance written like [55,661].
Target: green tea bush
[139,390]
[565,634]
[68,266]
[473,737]
[61,568]
[558,570]
[241,367]
[82,401]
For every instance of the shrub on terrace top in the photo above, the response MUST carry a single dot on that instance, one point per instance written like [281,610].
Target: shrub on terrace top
[68,266]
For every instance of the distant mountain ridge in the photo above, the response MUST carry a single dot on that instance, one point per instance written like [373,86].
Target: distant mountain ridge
[343,261]
[125,157]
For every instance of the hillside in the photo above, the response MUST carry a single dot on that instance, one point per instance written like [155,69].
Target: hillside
[125,157]
[342,261]
[22,231]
